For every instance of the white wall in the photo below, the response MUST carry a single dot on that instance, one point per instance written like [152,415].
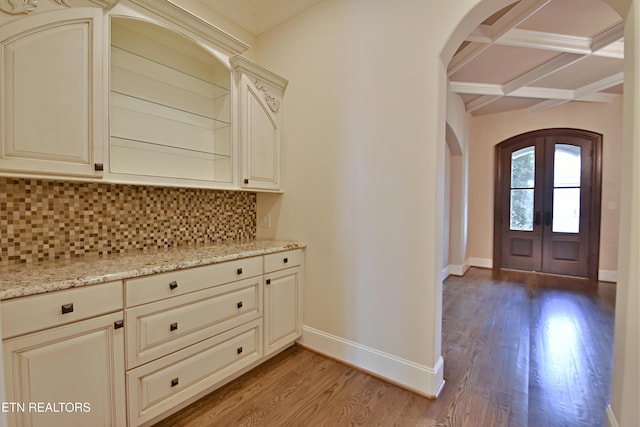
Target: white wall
[363,171]
[625,388]
[458,135]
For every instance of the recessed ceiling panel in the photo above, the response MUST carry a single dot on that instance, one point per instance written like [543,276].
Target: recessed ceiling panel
[589,70]
[585,18]
[501,64]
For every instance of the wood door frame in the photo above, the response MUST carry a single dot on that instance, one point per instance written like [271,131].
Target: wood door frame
[596,195]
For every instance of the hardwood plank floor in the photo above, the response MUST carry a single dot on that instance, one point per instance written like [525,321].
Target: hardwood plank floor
[519,349]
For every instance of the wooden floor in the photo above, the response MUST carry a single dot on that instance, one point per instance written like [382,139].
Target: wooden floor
[519,350]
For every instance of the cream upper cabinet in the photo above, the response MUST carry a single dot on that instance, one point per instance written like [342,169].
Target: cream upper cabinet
[260,109]
[170,106]
[50,107]
[134,92]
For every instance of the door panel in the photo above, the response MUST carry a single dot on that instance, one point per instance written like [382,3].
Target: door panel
[521,245]
[548,202]
[567,200]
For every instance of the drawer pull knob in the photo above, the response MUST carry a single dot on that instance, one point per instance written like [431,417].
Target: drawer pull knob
[118,324]
[239,271]
[174,382]
[239,350]
[173,326]
[98,167]
[268,281]
[286,260]
[246,181]
[67,308]
[239,304]
[173,285]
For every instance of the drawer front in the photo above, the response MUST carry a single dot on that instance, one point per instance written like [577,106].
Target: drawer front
[36,312]
[158,386]
[160,328]
[281,260]
[142,290]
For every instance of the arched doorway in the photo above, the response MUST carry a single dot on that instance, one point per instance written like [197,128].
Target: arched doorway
[547,202]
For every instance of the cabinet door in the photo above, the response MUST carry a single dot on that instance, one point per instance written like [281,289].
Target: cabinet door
[67,376]
[283,308]
[50,109]
[260,135]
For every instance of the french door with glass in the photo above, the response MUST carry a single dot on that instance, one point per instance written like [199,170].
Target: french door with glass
[547,202]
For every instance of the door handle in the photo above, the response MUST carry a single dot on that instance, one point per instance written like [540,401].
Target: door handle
[538,218]
[547,218]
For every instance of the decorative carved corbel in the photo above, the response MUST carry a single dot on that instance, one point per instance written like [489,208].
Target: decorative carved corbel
[19,7]
[24,7]
[272,102]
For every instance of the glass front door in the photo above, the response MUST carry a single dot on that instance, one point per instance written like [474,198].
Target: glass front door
[546,202]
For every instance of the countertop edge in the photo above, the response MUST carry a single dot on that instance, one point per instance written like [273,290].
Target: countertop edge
[28,283]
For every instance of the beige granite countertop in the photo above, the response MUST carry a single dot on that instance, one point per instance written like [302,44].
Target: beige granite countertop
[30,279]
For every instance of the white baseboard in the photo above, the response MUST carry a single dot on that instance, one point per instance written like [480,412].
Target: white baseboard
[458,270]
[420,379]
[611,417]
[608,276]
[481,262]
[445,272]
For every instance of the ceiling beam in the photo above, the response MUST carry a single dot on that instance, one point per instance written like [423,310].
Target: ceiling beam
[480,102]
[514,17]
[607,38]
[609,43]
[590,93]
[490,92]
[542,71]
[600,85]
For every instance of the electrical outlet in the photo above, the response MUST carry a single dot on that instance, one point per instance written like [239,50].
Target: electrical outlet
[266,221]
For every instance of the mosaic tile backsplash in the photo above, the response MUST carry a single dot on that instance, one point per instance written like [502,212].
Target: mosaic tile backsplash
[42,219]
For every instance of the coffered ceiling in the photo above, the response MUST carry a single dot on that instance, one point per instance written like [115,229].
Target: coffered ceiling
[537,54]
[533,54]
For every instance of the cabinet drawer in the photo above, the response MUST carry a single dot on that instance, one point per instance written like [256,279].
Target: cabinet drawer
[35,312]
[162,327]
[141,290]
[280,260]
[158,386]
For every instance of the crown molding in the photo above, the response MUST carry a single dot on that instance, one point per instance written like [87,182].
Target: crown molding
[194,24]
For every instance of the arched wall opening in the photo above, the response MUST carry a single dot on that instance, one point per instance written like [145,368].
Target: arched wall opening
[626,379]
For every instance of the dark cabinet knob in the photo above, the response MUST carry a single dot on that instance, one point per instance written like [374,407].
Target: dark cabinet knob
[246,181]
[239,271]
[239,350]
[98,167]
[268,281]
[239,304]
[174,382]
[67,308]
[173,285]
[286,260]
[173,326]
[118,324]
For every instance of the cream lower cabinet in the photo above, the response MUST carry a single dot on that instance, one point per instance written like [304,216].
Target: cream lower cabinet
[283,299]
[182,334]
[67,375]
[190,331]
